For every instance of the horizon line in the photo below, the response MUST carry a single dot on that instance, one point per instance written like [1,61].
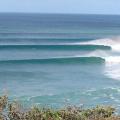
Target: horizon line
[58,13]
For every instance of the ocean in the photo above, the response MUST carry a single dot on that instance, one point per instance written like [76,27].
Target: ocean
[60,59]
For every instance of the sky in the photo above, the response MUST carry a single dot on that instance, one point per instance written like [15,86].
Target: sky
[61,6]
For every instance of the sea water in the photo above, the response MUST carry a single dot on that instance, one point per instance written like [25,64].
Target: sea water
[59,59]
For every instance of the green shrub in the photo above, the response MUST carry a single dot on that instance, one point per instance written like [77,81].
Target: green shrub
[14,111]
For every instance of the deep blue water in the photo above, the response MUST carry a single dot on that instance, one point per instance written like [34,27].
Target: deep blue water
[53,60]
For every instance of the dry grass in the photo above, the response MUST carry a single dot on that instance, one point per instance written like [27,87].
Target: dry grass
[14,111]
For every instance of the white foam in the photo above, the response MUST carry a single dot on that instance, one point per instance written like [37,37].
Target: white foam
[116,47]
[112,62]
[114,43]
[98,53]
[112,67]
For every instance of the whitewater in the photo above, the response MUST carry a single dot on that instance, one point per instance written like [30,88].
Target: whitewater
[112,58]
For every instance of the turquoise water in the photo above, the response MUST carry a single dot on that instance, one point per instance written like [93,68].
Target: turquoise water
[54,60]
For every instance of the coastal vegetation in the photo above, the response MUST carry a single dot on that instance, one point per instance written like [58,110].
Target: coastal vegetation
[15,111]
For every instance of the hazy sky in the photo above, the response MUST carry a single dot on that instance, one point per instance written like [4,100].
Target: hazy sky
[61,6]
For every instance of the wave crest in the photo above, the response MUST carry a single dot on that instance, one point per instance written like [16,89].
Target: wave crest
[62,60]
[114,43]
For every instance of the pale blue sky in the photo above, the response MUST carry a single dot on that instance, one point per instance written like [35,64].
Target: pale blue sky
[61,6]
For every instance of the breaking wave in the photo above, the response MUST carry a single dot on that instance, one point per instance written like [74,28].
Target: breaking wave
[63,60]
[55,47]
[114,43]
[112,59]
